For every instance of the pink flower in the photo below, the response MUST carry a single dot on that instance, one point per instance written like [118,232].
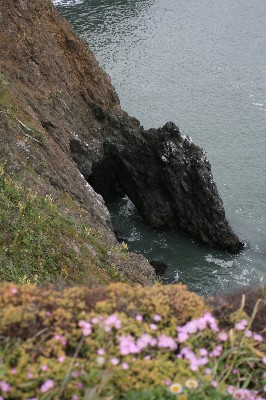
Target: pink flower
[95,320]
[235,371]
[13,371]
[203,352]
[157,318]
[191,327]
[208,371]
[166,342]
[101,352]
[127,345]
[214,384]
[44,367]
[257,337]
[167,382]
[203,361]
[147,358]
[125,365]
[61,339]
[182,337]
[139,318]
[30,375]
[112,322]
[264,388]
[61,359]
[48,385]
[5,387]
[14,290]
[187,353]
[222,336]
[153,327]
[264,360]
[194,367]
[79,385]
[86,327]
[114,361]
[75,397]
[201,325]
[216,351]
[211,321]
[231,390]
[145,340]
[241,325]
[248,334]
[74,374]
[48,314]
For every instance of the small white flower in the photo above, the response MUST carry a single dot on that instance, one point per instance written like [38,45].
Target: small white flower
[176,388]
[100,360]
[192,384]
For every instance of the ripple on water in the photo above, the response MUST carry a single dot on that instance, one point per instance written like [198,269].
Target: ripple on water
[205,271]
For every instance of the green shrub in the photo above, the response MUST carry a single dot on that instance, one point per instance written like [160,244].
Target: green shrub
[70,344]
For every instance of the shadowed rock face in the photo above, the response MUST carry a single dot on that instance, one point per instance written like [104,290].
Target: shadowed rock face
[169,180]
[64,95]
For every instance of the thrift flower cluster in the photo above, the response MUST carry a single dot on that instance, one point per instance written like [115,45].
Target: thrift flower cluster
[202,357]
[136,351]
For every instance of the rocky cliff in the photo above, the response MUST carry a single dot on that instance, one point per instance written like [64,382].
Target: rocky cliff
[62,131]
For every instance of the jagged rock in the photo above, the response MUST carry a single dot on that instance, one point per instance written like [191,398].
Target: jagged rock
[159,267]
[169,180]
[120,238]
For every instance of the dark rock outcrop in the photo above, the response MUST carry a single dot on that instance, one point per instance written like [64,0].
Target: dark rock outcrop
[120,238]
[169,180]
[159,267]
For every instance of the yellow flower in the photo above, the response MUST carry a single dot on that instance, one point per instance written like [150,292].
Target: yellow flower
[208,377]
[176,388]
[192,384]
[182,397]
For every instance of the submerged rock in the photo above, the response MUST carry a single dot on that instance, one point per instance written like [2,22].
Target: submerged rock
[159,267]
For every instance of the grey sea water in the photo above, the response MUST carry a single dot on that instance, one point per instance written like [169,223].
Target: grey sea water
[201,64]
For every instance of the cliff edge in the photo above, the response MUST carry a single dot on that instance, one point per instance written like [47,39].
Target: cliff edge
[63,133]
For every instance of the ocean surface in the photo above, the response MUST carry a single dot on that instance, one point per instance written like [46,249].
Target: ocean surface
[201,64]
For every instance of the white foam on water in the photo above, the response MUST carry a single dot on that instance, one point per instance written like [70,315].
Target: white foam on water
[67,2]
[222,263]
[258,104]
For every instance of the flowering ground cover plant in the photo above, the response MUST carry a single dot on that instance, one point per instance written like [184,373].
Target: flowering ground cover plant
[122,342]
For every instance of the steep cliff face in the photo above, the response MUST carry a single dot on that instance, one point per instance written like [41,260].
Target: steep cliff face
[52,93]
[63,131]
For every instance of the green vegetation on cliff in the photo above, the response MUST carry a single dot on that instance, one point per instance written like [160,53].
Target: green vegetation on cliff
[39,243]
